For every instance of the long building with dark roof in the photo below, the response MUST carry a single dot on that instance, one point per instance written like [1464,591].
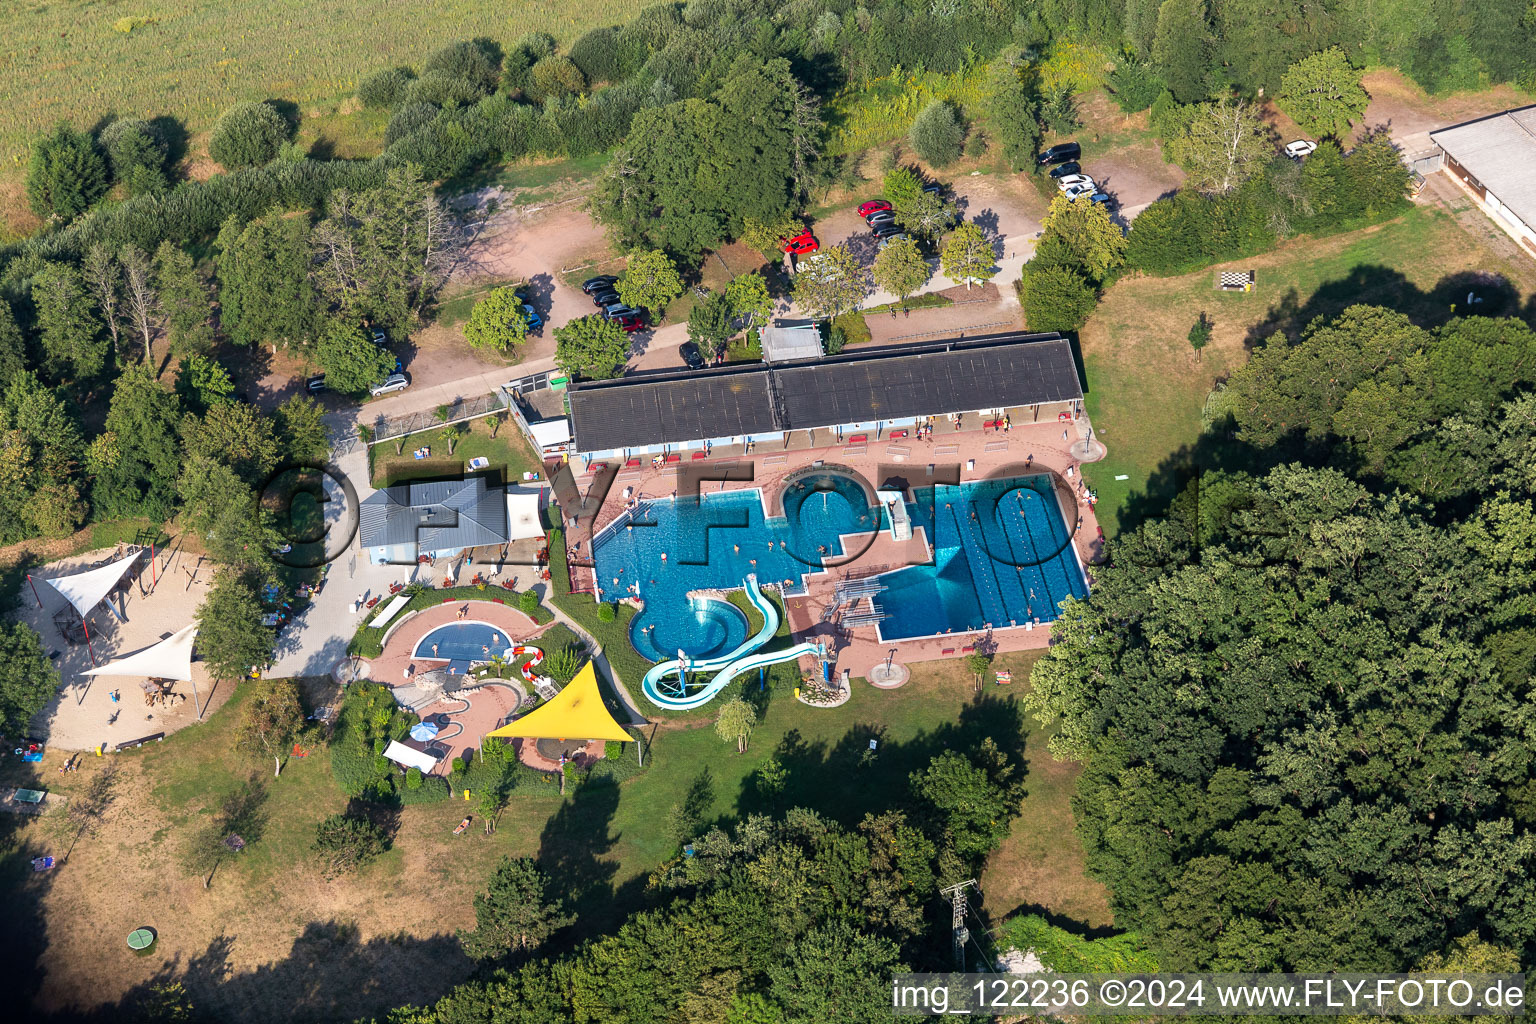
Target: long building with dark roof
[825,401]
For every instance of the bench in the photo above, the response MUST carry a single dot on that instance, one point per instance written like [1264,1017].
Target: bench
[858,439]
[898,434]
[697,456]
[674,458]
[632,464]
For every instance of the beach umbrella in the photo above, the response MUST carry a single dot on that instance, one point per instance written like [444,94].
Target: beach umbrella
[424,731]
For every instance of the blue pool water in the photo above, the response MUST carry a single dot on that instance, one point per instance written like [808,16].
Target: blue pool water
[463,642]
[1010,564]
[702,629]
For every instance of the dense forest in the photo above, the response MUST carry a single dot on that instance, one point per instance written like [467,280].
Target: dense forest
[1302,700]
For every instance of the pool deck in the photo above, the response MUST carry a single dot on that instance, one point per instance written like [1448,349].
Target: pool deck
[490,704]
[908,461]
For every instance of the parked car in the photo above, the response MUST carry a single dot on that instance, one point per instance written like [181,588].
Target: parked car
[1060,153]
[607,297]
[873,206]
[874,220]
[631,324]
[394,382]
[890,229]
[804,242]
[315,384]
[1070,167]
[598,283]
[691,355]
[1078,191]
[1103,199]
[1300,149]
[377,336]
[534,320]
[933,188]
[1072,181]
[619,311]
[888,239]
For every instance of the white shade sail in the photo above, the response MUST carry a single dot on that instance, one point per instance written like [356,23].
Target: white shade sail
[523,513]
[171,658]
[86,590]
[409,756]
[389,610]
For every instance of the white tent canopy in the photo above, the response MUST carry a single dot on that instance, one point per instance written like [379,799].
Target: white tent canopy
[86,590]
[409,756]
[171,658]
[550,433]
[523,513]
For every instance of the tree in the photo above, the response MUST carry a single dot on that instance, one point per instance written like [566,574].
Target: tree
[1225,144]
[518,64]
[514,915]
[1200,333]
[977,664]
[835,972]
[747,295]
[237,434]
[1012,115]
[137,153]
[937,134]
[1181,49]
[184,300]
[901,187]
[1080,234]
[104,277]
[650,281]
[270,719]
[453,434]
[968,255]
[347,841]
[900,268]
[734,722]
[770,778]
[976,795]
[230,636]
[497,322]
[351,361]
[927,214]
[1056,298]
[13,346]
[831,282]
[248,134]
[591,346]
[475,61]
[70,335]
[28,679]
[143,302]
[264,290]
[301,429]
[1059,111]
[1322,93]
[202,382]
[769,239]
[711,324]
[555,76]
[380,90]
[145,421]
[66,174]
[55,509]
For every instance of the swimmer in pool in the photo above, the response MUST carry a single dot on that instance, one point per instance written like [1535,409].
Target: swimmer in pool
[434,649]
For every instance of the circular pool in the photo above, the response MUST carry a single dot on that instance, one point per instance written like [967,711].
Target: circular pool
[704,628]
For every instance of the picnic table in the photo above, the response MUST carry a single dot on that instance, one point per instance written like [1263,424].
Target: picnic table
[31,796]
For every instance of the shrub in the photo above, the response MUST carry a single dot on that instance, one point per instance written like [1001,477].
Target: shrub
[476,62]
[413,778]
[433,790]
[555,76]
[528,602]
[382,88]
[67,173]
[137,154]
[937,134]
[407,118]
[347,841]
[1056,298]
[440,89]
[1134,85]
[612,749]
[605,612]
[519,62]
[597,55]
[456,767]
[248,135]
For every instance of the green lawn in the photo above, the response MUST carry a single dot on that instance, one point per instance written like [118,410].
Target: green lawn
[1145,386]
[508,452]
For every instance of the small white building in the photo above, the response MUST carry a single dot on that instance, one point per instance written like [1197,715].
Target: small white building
[1494,158]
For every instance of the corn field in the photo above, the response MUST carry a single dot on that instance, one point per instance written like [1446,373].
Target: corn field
[192,59]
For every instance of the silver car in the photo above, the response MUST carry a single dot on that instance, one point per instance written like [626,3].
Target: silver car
[394,382]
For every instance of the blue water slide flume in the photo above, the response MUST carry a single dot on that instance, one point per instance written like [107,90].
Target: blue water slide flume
[672,693]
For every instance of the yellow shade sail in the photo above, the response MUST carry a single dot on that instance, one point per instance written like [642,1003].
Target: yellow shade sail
[576,713]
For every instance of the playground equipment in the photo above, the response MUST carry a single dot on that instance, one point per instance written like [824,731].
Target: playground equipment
[666,685]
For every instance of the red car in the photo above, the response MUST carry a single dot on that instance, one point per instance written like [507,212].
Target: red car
[802,243]
[873,206]
[631,324]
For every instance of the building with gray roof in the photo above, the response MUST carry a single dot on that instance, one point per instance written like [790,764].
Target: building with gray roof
[433,518]
[1495,159]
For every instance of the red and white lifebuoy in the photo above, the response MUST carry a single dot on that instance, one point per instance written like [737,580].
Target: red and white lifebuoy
[535,657]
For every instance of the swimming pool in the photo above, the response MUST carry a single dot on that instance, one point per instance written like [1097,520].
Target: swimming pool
[706,627]
[460,643]
[1010,564]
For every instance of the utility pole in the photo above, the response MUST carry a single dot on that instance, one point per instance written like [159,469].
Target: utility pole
[957,905]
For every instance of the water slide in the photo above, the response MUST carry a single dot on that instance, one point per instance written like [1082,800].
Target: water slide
[673,693]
